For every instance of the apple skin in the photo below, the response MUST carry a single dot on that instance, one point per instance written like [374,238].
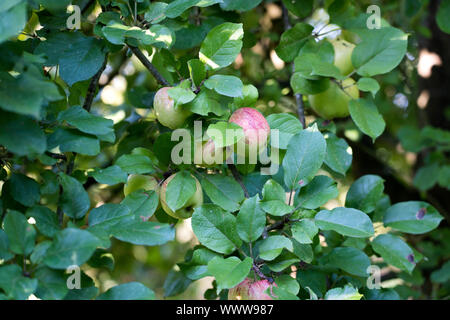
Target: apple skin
[333,102]
[188,209]
[165,110]
[208,151]
[343,55]
[249,290]
[139,181]
[255,126]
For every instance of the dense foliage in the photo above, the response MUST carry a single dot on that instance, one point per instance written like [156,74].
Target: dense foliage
[89,177]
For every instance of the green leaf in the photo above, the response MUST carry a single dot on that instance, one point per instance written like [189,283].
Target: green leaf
[12,19]
[197,268]
[215,228]
[427,176]
[301,84]
[70,247]
[300,8]
[442,16]
[229,86]
[143,233]
[128,291]
[39,252]
[86,122]
[346,221]
[25,93]
[229,272]
[293,40]
[319,191]
[240,5]
[271,247]
[304,157]
[348,259]
[441,275]
[46,220]
[223,191]
[368,85]
[75,201]
[283,261]
[24,189]
[79,57]
[366,116]
[287,283]
[15,285]
[71,140]
[304,231]
[415,217]
[156,12]
[249,97]
[313,279]
[51,284]
[303,251]
[108,214]
[135,163]
[197,71]
[177,7]
[287,125]
[209,101]
[21,235]
[181,95]
[394,251]
[339,154]
[345,293]
[222,45]
[4,247]
[310,65]
[250,220]
[365,193]
[176,282]
[28,138]
[180,189]
[111,175]
[274,199]
[142,204]
[220,133]
[380,51]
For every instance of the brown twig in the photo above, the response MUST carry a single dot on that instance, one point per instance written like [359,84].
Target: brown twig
[93,86]
[237,177]
[138,53]
[298,96]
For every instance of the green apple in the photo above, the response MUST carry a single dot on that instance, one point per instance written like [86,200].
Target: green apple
[251,290]
[139,181]
[166,112]
[188,209]
[343,55]
[333,102]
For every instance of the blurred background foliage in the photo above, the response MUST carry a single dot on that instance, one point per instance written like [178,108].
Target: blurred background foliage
[411,155]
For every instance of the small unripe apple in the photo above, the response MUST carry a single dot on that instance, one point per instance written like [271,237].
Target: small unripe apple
[188,209]
[333,102]
[255,126]
[165,110]
[249,290]
[139,181]
[343,55]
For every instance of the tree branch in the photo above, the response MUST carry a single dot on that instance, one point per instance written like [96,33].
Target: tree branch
[93,86]
[237,177]
[159,78]
[298,96]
